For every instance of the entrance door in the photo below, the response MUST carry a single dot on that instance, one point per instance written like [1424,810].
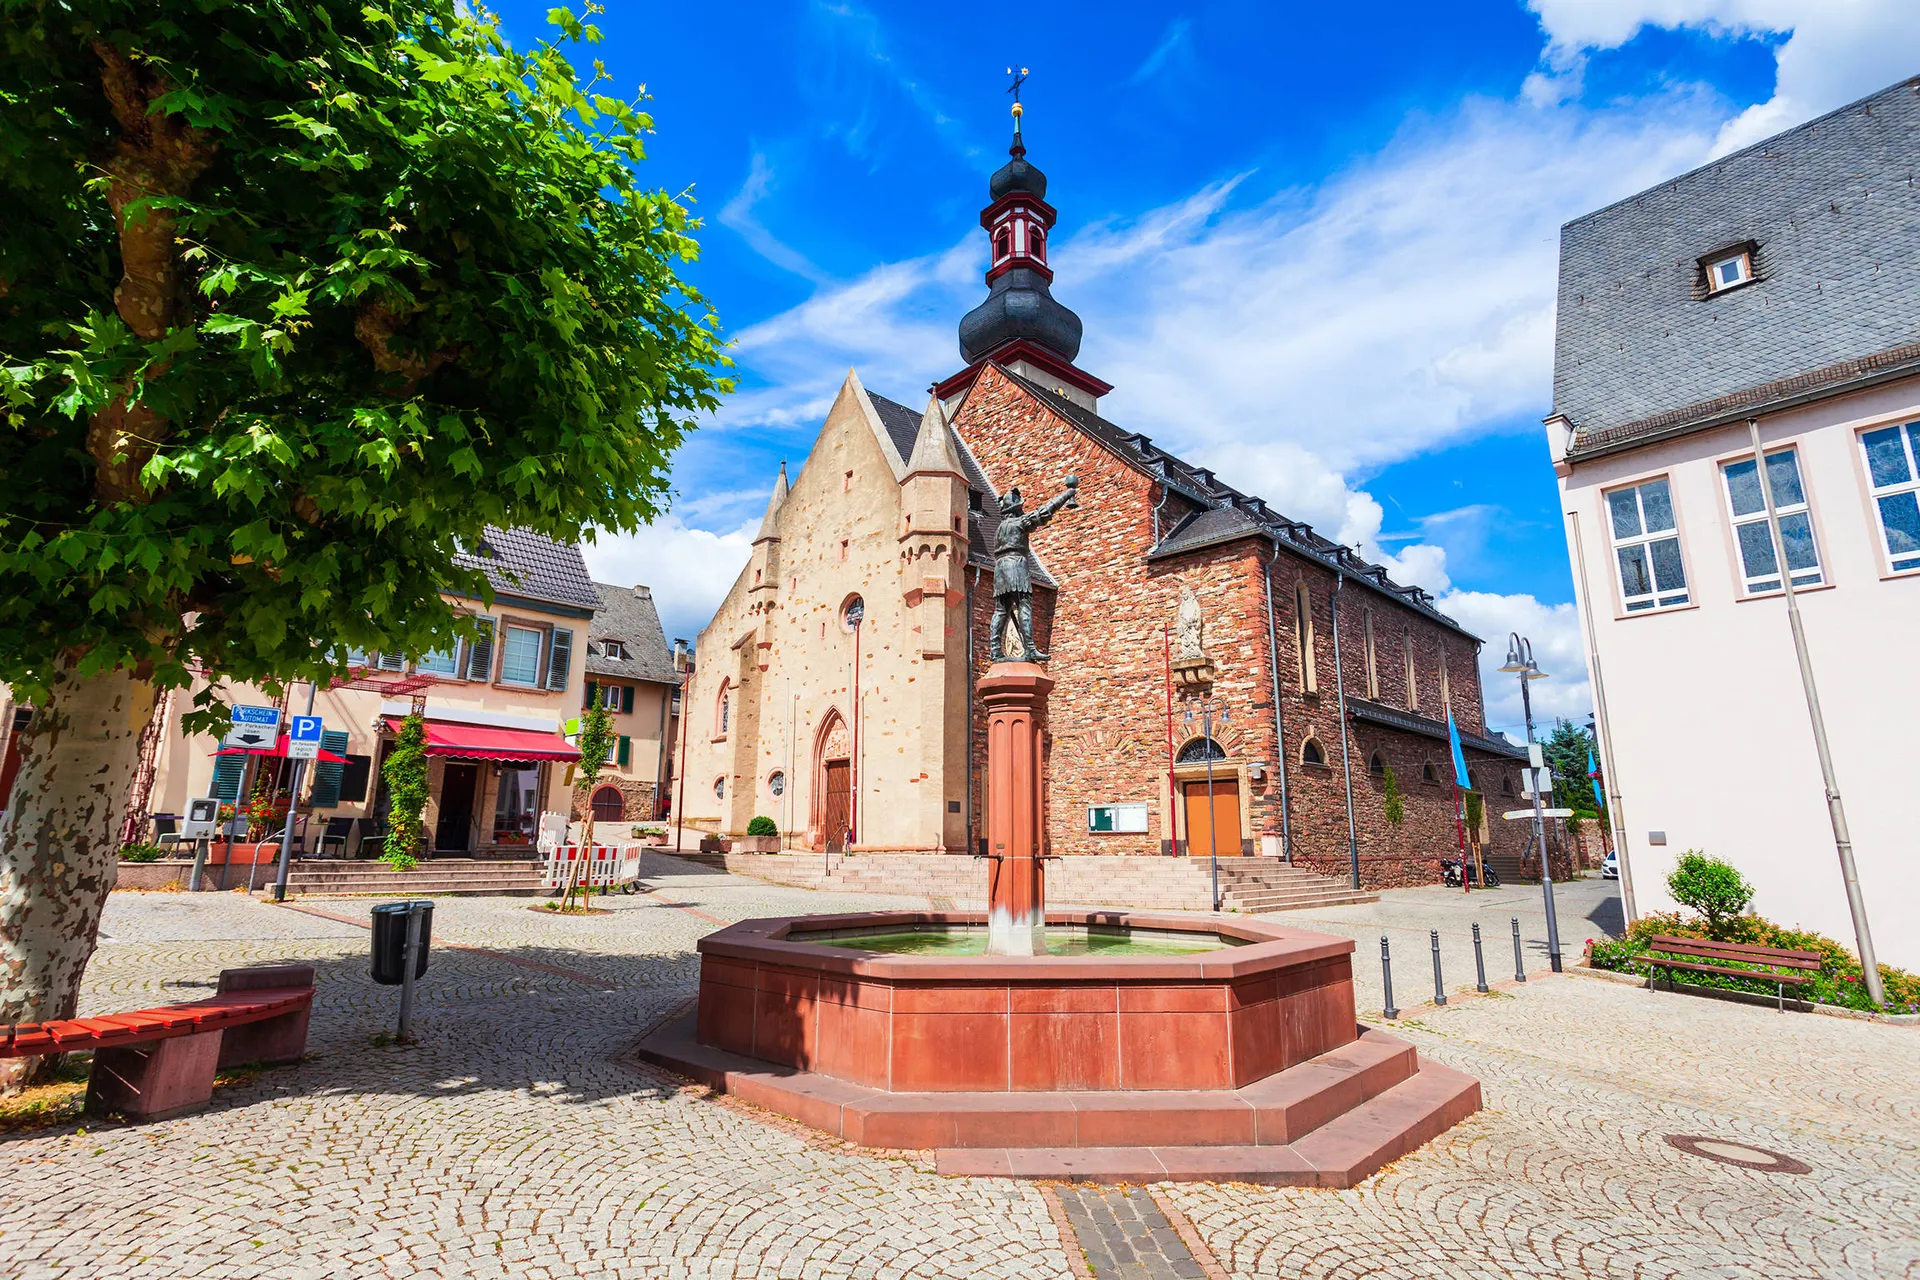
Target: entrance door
[457,785]
[1221,814]
[839,807]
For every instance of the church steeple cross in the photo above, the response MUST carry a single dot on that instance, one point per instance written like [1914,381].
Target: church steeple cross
[1019,78]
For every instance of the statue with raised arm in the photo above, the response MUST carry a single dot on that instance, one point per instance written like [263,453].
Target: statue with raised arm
[1012,581]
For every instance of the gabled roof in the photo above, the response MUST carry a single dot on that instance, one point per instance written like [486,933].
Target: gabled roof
[1426,726]
[1832,218]
[627,614]
[532,566]
[1226,513]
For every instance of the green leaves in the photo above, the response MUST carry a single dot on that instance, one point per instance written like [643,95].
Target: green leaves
[425,293]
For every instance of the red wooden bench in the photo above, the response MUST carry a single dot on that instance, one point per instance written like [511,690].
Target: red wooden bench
[151,1064]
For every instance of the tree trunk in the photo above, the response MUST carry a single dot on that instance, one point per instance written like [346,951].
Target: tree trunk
[59,843]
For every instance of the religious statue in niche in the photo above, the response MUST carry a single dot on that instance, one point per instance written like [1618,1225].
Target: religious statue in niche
[1012,579]
[1191,665]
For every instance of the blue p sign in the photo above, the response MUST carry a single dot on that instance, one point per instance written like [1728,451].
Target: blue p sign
[306,729]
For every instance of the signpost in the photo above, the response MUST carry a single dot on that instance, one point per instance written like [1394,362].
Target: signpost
[303,738]
[254,729]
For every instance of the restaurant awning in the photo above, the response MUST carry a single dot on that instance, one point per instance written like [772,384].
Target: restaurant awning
[483,742]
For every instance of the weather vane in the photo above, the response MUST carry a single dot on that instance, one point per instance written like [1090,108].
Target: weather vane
[1019,79]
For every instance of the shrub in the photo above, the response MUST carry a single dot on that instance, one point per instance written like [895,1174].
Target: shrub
[762,826]
[1394,803]
[142,852]
[1713,888]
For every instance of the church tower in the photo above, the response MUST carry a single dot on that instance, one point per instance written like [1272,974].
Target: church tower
[1021,326]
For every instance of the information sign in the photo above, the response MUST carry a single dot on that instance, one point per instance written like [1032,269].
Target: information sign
[303,737]
[254,728]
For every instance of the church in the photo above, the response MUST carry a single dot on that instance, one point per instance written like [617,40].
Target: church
[1229,682]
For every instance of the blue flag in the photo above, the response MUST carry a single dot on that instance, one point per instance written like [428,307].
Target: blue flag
[1593,776]
[1459,760]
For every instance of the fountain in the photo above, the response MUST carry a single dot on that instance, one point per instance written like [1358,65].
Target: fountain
[1115,1045]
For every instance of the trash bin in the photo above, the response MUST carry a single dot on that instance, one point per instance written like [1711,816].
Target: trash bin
[390,941]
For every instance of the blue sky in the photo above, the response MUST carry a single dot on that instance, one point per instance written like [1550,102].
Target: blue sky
[1314,246]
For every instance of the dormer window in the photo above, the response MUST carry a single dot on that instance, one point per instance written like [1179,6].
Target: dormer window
[1729,269]
[613,649]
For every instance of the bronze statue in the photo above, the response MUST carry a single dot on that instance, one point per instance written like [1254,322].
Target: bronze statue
[1012,582]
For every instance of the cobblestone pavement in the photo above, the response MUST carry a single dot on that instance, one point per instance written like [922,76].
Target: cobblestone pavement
[1124,1236]
[518,1138]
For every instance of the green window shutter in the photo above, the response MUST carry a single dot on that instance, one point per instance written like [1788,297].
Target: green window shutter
[227,773]
[626,751]
[626,700]
[559,658]
[593,694]
[480,652]
[326,773]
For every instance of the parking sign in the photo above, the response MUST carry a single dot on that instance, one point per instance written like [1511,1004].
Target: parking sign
[303,738]
[254,728]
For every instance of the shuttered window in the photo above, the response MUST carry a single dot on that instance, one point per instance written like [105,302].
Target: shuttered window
[480,652]
[227,773]
[625,755]
[626,700]
[559,658]
[327,773]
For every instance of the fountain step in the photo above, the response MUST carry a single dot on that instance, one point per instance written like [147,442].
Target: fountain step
[1339,1154]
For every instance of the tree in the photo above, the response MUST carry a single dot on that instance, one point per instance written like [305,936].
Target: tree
[297,297]
[596,742]
[406,773]
[1566,751]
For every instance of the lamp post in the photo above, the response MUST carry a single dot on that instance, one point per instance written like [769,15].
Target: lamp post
[1213,813]
[1520,662]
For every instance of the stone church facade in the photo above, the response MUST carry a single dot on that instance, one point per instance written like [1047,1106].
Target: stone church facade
[833,687]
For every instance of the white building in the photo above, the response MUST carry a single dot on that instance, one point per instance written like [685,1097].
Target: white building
[1780,284]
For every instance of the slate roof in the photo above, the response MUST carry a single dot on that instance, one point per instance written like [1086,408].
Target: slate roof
[1227,514]
[903,427]
[534,567]
[1641,351]
[1427,727]
[627,614]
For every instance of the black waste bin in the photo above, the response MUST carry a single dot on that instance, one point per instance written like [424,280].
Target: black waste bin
[390,941]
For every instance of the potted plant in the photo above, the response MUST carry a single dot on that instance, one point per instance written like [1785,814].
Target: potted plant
[656,836]
[763,836]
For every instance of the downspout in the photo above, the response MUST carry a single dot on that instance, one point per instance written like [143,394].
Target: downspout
[1340,686]
[1279,737]
[1173,789]
[853,815]
[680,805]
[967,585]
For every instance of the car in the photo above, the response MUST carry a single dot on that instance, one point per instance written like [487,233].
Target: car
[1610,866]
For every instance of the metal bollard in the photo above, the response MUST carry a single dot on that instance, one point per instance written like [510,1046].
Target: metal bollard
[1439,990]
[1519,965]
[1386,980]
[1479,961]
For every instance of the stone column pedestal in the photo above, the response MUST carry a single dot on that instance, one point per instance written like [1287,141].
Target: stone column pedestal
[1015,697]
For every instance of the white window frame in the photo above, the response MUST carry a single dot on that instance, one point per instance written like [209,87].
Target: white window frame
[1904,562]
[610,696]
[507,630]
[1743,257]
[1766,584]
[1656,600]
[455,656]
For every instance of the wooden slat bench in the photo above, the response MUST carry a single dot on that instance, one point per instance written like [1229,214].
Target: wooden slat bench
[1697,955]
[151,1064]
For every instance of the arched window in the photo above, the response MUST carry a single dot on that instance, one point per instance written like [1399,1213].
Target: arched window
[1311,752]
[1377,764]
[1303,638]
[1037,241]
[777,783]
[1506,784]
[1199,751]
[1429,774]
[853,611]
[1003,243]
[720,788]
[609,805]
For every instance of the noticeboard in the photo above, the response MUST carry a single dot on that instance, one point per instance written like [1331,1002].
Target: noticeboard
[1117,819]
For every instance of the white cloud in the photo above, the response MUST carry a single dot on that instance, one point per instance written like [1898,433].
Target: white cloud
[1835,51]
[738,214]
[690,570]
[1176,43]
[1554,630]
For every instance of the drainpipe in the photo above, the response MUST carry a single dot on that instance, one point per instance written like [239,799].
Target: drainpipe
[968,584]
[680,805]
[1165,493]
[1279,738]
[1340,686]
[853,809]
[1173,788]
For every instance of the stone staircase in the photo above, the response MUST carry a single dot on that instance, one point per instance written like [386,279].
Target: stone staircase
[1148,883]
[434,877]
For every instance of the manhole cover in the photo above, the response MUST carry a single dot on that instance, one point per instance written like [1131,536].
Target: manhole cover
[1738,1154]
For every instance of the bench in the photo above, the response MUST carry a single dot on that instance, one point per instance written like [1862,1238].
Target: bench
[1697,955]
[152,1064]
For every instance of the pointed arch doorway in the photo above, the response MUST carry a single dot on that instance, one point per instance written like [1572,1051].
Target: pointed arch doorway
[832,807]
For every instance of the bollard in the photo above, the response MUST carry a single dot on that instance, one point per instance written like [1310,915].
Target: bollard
[1519,965]
[1386,980]
[1439,990]
[1479,961]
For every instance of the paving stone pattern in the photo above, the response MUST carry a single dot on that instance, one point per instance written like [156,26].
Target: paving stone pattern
[1124,1236]
[520,1137]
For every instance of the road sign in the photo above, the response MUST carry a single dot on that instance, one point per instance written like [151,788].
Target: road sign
[1545,813]
[254,728]
[303,737]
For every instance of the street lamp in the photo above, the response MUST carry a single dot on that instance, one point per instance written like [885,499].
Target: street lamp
[1213,812]
[1520,662]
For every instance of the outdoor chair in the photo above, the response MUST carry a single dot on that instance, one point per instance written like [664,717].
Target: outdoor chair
[166,830]
[337,832]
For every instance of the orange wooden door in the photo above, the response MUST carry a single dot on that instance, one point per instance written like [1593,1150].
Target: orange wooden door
[839,802]
[1207,815]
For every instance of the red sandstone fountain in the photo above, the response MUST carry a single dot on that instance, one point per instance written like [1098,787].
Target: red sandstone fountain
[1160,1047]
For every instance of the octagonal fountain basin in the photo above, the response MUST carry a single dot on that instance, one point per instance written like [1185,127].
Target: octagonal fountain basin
[905,1001]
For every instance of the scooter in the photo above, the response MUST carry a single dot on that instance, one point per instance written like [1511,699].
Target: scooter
[1450,874]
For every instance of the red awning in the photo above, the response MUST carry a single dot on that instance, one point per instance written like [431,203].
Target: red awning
[483,742]
[279,752]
